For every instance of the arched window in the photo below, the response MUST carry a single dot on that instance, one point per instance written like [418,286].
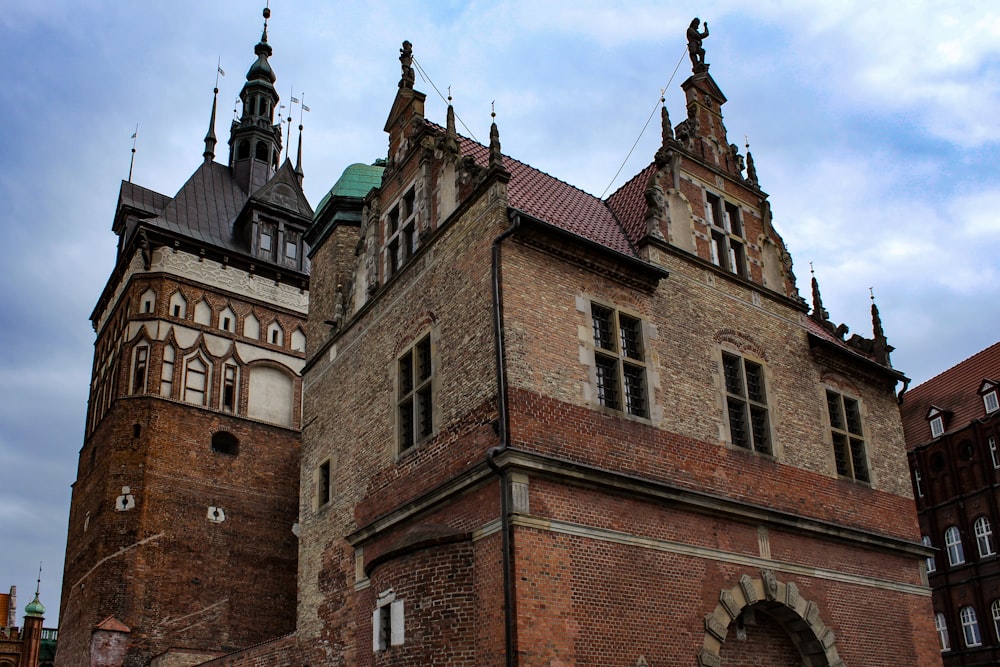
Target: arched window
[243,150]
[140,363]
[995,612]
[224,442]
[197,373]
[970,627]
[261,153]
[931,563]
[984,537]
[953,543]
[942,628]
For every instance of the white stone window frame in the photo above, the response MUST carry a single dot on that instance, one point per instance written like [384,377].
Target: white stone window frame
[941,624]
[726,234]
[990,402]
[847,438]
[736,392]
[970,627]
[400,240]
[937,426]
[619,362]
[388,622]
[984,537]
[187,377]
[931,561]
[953,545]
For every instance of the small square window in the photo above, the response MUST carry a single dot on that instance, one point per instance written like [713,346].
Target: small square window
[990,401]
[937,426]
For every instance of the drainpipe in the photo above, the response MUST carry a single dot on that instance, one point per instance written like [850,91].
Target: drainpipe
[503,424]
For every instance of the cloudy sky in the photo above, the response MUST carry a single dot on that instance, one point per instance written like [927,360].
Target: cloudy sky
[873,126]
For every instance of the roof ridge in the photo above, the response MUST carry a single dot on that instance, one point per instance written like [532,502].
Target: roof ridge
[952,368]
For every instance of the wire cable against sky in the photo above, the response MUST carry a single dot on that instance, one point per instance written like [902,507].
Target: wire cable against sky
[662,100]
[427,78]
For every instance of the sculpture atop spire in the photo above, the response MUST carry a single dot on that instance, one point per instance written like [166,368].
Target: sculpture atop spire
[406,61]
[695,48]
[210,139]
[751,169]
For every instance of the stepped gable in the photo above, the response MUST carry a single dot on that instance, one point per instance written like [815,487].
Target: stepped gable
[205,207]
[628,204]
[955,390]
[556,202]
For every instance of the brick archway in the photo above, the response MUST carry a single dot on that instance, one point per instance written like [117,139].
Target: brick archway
[798,617]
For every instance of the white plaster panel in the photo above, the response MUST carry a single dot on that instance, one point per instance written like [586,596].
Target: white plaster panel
[261,287]
[217,345]
[250,353]
[185,337]
[271,395]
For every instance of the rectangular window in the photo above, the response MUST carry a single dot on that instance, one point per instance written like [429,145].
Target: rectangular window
[415,404]
[746,403]
[323,484]
[167,372]
[937,427]
[918,483]
[990,402]
[400,233]
[727,247]
[139,370]
[195,381]
[229,388]
[994,455]
[388,622]
[848,437]
[619,361]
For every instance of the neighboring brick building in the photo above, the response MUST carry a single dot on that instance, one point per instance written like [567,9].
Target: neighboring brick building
[180,543]
[31,645]
[546,428]
[952,428]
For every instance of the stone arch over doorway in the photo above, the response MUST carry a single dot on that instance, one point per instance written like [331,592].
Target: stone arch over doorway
[797,616]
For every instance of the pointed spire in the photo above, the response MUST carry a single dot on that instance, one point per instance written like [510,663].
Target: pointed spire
[261,69]
[666,129]
[210,139]
[450,122]
[298,158]
[880,347]
[496,157]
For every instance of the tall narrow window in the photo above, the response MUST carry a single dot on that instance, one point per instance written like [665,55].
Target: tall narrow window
[195,381]
[942,629]
[848,436]
[970,627]
[953,543]
[994,455]
[918,483]
[984,537]
[931,563]
[415,404]
[167,372]
[400,233]
[323,483]
[619,361]
[139,366]
[995,613]
[746,403]
[230,383]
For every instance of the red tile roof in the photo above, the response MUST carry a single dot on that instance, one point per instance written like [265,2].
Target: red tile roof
[547,198]
[628,203]
[955,390]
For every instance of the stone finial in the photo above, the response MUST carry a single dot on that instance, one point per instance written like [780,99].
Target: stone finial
[666,129]
[210,139]
[695,49]
[406,61]
[751,169]
[496,157]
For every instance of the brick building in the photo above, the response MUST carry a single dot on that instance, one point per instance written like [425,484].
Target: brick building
[546,428]
[180,543]
[32,644]
[952,428]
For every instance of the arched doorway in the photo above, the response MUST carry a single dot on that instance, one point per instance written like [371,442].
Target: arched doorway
[764,617]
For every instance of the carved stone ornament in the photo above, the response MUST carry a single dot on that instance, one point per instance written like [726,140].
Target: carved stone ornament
[749,592]
[729,602]
[791,595]
[708,659]
[770,584]
[715,627]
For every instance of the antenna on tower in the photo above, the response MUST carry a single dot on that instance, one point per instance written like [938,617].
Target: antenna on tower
[38,584]
[219,71]
[130,165]
[291,100]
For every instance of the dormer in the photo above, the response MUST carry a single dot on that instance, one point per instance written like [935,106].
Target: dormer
[937,419]
[989,389]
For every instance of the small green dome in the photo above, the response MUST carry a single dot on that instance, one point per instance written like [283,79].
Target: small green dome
[35,608]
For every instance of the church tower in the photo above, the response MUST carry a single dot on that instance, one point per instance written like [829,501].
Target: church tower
[186,494]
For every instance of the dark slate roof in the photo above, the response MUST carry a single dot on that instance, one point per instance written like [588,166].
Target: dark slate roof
[955,390]
[205,207]
[142,199]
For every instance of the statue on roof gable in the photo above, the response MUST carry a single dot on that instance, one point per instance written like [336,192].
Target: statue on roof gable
[695,49]
[406,61]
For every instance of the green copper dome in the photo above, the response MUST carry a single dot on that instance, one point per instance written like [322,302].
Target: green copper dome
[35,608]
